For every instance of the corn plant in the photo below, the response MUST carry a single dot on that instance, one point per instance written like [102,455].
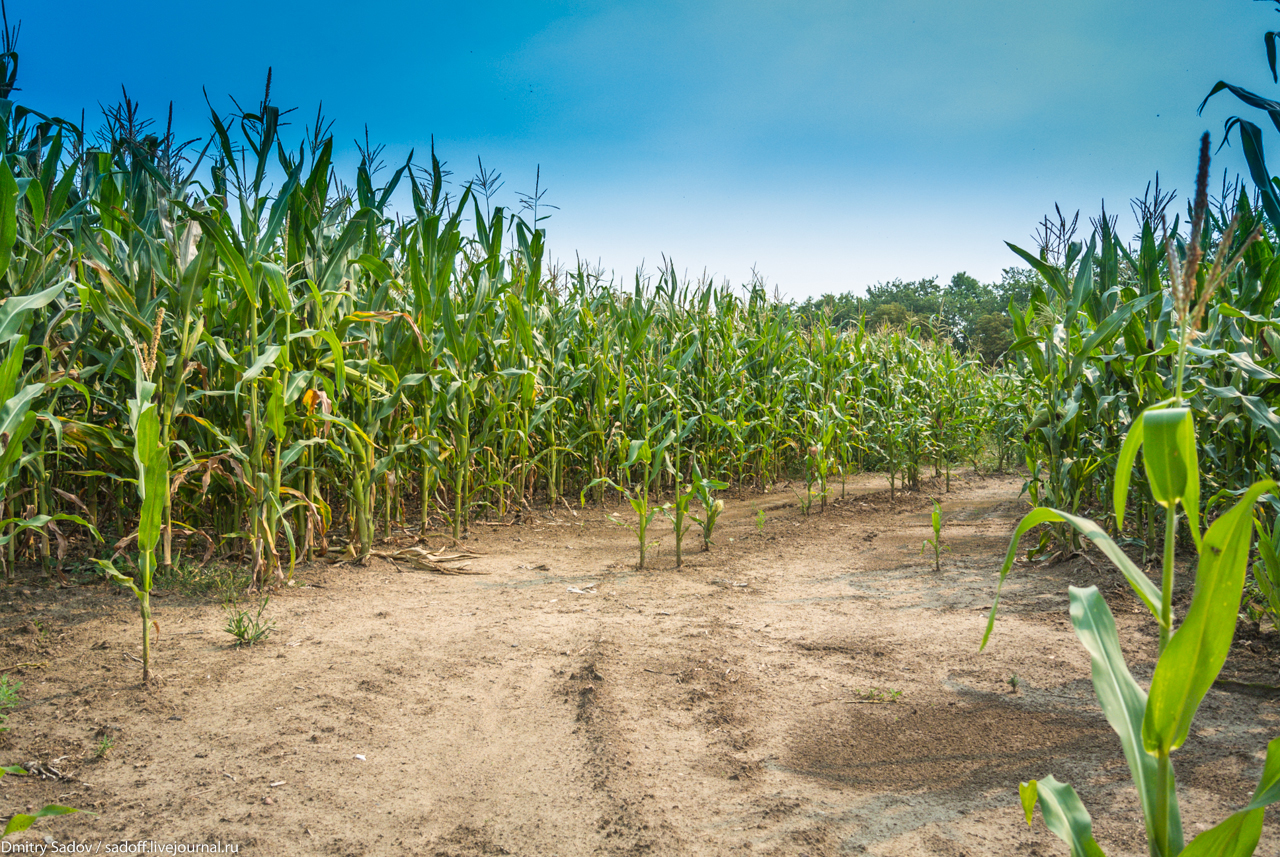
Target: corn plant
[152,461]
[936,541]
[1152,724]
[17,419]
[646,454]
[712,506]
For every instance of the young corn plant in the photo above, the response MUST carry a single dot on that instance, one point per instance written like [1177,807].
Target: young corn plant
[711,505]
[1152,724]
[644,453]
[151,459]
[936,541]
[678,509]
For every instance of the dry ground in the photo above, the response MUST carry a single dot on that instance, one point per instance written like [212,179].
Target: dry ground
[810,689]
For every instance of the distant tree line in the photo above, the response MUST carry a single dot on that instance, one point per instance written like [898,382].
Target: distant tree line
[973,315]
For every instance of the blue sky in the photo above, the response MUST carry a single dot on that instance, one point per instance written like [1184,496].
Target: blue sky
[831,145]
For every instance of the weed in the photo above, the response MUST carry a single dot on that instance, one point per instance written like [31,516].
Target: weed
[760,521]
[9,692]
[879,695]
[21,821]
[103,747]
[8,699]
[247,626]
[189,578]
[1266,576]
[1014,681]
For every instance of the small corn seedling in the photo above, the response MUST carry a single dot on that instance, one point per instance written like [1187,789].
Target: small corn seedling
[936,541]
[1152,724]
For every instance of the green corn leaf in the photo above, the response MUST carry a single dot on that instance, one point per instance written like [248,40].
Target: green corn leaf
[153,476]
[1236,836]
[295,449]
[1164,454]
[8,215]
[12,450]
[1064,814]
[14,310]
[15,409]
[1171,461]
[1268,790]
[20,525]
[1251,143]
[1122,700]
[11,367]
[1053,276]
[22,821]
[1142,585]
[635,450]
[35,198]
[265,359]
[1107,330]
[114,574]
[1196,653]
[229,252]
[662,446]
[1124,469]
[1260,413]
[275,278]
[275,411]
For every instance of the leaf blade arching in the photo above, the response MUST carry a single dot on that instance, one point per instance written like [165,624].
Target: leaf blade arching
[1064,814]
[1198,650]
[1122,700]
[1141,584]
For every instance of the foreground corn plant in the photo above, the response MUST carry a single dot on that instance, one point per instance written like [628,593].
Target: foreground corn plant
[1153,724]
[152,460]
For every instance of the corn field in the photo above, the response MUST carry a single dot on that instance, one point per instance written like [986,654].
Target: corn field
[325,371]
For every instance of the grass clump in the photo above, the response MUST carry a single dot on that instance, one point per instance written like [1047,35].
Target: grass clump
[247,626]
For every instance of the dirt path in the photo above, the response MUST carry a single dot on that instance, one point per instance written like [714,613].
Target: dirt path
[811,688]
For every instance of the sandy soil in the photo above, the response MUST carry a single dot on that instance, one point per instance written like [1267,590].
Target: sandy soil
[810,689]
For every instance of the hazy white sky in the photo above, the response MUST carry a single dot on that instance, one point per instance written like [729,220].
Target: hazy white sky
[829,144]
